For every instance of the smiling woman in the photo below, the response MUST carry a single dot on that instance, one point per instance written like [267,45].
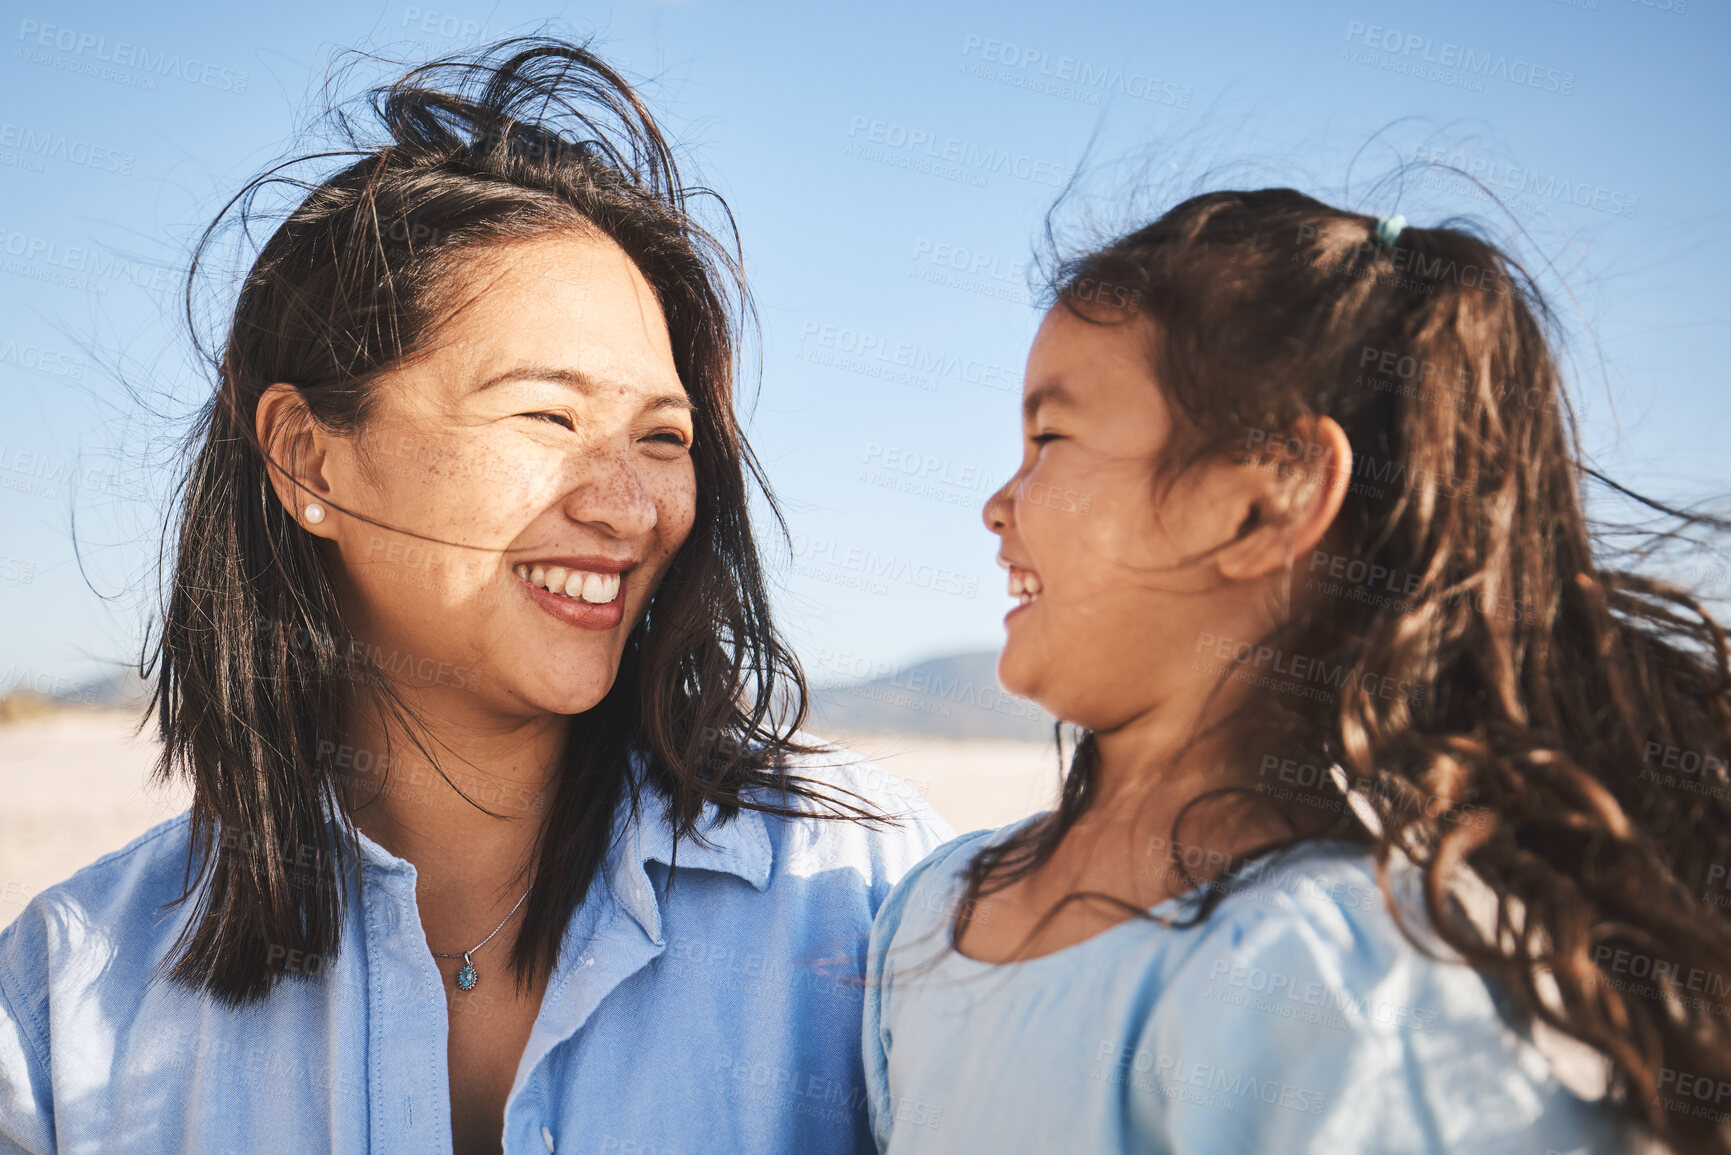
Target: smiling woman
[592,417]
[468,659]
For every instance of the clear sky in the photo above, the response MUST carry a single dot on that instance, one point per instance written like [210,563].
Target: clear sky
[890,166]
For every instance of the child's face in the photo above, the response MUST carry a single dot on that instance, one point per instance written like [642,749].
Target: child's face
[1118,601]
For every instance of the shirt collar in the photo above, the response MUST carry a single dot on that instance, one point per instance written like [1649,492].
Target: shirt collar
[740,847]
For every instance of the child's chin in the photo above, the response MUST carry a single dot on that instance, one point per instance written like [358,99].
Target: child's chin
[1017,672]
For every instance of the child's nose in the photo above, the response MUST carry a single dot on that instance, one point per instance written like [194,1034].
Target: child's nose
[998,509]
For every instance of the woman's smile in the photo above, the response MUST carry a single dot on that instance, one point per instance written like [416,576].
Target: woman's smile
[582,591]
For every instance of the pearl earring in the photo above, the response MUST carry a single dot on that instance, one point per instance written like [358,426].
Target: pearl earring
[315,513]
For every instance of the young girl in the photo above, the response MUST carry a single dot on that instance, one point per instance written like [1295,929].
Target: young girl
[1369,842]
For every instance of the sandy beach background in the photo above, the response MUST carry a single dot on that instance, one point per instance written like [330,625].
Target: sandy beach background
[75,785]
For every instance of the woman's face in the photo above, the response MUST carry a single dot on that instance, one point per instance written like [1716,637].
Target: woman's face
[530,481]
[1110,604]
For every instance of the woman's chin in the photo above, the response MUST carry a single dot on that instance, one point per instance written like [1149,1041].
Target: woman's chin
[572,703]
[556,694]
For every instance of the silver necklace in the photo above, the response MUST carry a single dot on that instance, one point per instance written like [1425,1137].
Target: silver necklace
[468,976]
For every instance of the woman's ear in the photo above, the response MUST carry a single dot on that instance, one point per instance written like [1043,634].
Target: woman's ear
[1293,491]
[295,451]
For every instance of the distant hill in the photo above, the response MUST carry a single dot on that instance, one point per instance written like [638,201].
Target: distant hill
[956,696]
[949,697]
[29,698]
[122,689]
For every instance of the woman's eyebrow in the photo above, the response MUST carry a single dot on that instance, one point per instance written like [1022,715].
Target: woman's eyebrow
[578,380]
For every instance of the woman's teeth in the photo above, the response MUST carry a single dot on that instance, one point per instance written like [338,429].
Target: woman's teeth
[1024,585]
[594,588]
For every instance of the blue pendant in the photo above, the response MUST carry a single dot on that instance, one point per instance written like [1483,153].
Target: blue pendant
[467,978]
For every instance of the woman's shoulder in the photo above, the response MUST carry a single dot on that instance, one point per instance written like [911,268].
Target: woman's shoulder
[908,830]
[123,885]
[105,923]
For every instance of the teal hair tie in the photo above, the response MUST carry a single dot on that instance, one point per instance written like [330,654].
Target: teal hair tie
[1388,228]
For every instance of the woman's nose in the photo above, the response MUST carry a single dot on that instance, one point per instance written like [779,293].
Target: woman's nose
[611,494]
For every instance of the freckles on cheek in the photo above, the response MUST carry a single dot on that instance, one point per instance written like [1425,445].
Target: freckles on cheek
[675,515]
[446,480]
[676,505]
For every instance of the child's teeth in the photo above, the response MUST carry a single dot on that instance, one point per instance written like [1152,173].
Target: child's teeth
[1024,585]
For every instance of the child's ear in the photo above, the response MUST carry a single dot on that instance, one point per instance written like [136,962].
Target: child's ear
[1290,497]
[296,452]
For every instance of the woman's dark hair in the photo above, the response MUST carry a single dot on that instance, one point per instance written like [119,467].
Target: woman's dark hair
[1542,693]
[256,670]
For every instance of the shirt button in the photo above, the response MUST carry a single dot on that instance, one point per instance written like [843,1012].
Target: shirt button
[547,1138]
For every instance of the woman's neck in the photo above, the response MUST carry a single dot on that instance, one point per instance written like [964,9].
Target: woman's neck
[407,786]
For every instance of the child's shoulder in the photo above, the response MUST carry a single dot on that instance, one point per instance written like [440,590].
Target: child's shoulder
[1319,911]
[1305,973]
[926,893]
[1312,941]
[1332,889]
[945,864]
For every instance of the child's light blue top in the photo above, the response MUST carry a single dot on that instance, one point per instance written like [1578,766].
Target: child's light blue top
[721,1013]
[1295,1018]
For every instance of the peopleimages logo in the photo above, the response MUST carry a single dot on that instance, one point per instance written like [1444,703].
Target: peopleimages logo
[1511,178]
[861,348]
[57,146]
[1067,76]
[125,54]
[873,137]
[95,268]
[875,568]
[1457,59]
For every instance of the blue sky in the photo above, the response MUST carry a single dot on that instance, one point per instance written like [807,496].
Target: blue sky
[889,167]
